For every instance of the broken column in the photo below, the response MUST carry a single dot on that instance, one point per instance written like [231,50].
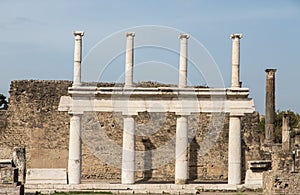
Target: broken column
[77,57]
[234,149]
[128,153]
[297,136]
[19,159]
[183,60]
[270,106]
[235,77]
[285,133]
[181,150]
[129,59]
[74,162]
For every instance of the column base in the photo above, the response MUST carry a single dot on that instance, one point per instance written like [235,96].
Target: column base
[181,181]
[74,171]
[127,177]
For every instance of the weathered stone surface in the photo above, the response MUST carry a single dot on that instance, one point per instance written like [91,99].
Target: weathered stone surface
[254,175]
[34,122]
[284,178]
[8,172]
[11,189]
[3,119]
[270,106]
[19,159]
[46,176]
[280,182]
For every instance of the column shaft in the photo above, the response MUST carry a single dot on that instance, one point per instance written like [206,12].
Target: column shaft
[286,145]
[181,158]
[74,163]
[270,106]
[128,155]
[234,150]
[77,58]
[235,77]
[183,60]
[129,59]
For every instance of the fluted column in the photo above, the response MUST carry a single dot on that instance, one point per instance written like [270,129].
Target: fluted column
[129,59]
[183,60]
[77,57]
[235,76]
[128,154]
[234,150]
[270,106]
[74,162]
[181,152]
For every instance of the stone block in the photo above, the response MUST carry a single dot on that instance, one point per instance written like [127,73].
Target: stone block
[46,176]
[11,189]
[253,178]
[254,175]
[8,173]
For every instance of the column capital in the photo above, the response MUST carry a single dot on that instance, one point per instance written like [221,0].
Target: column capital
[182,114]
[183,36]
[130,34]
[236,114]
[129,114]
[270,70]
[239,36]
[270,73]
[76,113]
[78,33]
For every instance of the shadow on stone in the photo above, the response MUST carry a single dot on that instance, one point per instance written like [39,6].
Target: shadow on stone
[193,156]
[147,159]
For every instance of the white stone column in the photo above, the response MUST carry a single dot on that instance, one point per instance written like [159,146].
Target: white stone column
[77,57]
[129,59]
[128,154]
[181,158]
[234,150]
[183,60]
[74,163]
[235,82]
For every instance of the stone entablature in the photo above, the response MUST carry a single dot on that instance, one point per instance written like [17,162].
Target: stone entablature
[161,99]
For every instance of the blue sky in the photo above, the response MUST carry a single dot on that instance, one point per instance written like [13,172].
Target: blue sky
[36,40]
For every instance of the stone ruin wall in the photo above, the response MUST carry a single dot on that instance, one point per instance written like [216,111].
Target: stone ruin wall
[33,121]
[282,179]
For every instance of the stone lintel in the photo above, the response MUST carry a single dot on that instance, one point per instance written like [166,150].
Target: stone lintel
[260,164]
